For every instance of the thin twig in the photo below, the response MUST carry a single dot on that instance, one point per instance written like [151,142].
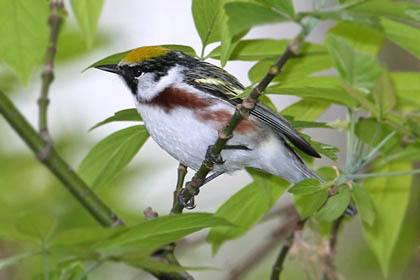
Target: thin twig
[55,21]
[254,258]
[328,258]
[377,175]
[182,172]
[166,255]
[334,233]
[278,264]
[242,112]
[62,171]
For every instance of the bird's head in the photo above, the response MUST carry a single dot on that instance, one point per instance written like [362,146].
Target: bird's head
[149,70]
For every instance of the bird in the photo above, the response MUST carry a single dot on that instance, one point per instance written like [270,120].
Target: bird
[184,102]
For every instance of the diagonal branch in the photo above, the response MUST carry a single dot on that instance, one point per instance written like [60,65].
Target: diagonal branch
[55,21]
[278,265]
[192,188]
[329,266]
[56,164]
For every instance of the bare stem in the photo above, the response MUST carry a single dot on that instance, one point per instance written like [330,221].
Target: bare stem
[329,267]
[182,172]
[166,255]
[278,265]
[55,21]
[41,148]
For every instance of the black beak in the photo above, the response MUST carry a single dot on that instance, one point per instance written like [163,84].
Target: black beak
[113,68]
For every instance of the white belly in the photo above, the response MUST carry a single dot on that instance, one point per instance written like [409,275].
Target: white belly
[178,133]
[186,139]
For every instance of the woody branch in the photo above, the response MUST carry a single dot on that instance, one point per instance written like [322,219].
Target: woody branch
[54,21]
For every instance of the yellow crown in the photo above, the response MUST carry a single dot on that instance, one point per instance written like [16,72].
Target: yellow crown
[145,53]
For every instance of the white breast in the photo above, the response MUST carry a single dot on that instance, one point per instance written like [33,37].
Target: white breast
[178,133]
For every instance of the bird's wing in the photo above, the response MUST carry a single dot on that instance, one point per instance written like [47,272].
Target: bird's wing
[219,83]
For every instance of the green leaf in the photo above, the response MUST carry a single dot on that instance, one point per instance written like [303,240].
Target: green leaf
[410,152]
[359,37]
[325,149]
[379,17]
[384,94]
[123,115]
[389,9]
[39,225]
[372,132]
[6,262]
[407,90]
[81,236]
[333,95]
[358,69]
[243,16]
[208,19]
[390,196]
[116,58]
[259,49]
[362,98]
[306,124]
[364,204]
[252,50]
[369,13]
[151,264]
[336,205]
[327,173]
[161,231]
[309,204]
[247,207]
[71,43]
[283,6]
[87,13]
[24,34]
[402,34]
[111,155]
[322,88]
[308,63]
[305,187]
[306,110]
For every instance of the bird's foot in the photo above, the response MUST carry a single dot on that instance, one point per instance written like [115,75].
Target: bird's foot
[351,210]
[186,203]
[210,157]
[236,147]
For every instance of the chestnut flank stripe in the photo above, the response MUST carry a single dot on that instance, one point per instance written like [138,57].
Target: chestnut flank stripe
[171,98]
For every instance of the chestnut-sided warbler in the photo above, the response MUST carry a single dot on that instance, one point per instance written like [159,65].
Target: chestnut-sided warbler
[184,102]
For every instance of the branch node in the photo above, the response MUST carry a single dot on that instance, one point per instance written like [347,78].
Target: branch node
[193,186]
[223,136]
[243,111]
[274,70]
[150,214]
[46,152]
[294,46]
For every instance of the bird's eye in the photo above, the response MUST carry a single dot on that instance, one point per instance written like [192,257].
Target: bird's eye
[137,72]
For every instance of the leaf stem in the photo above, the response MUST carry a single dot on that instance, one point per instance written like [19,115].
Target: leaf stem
[55,21]
[375,175]
[368,158]
[350,140]
[48,156]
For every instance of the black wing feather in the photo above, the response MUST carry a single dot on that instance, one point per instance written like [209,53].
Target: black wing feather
[229,87]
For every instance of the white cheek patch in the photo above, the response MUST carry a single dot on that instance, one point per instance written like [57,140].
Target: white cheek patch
[149,88]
